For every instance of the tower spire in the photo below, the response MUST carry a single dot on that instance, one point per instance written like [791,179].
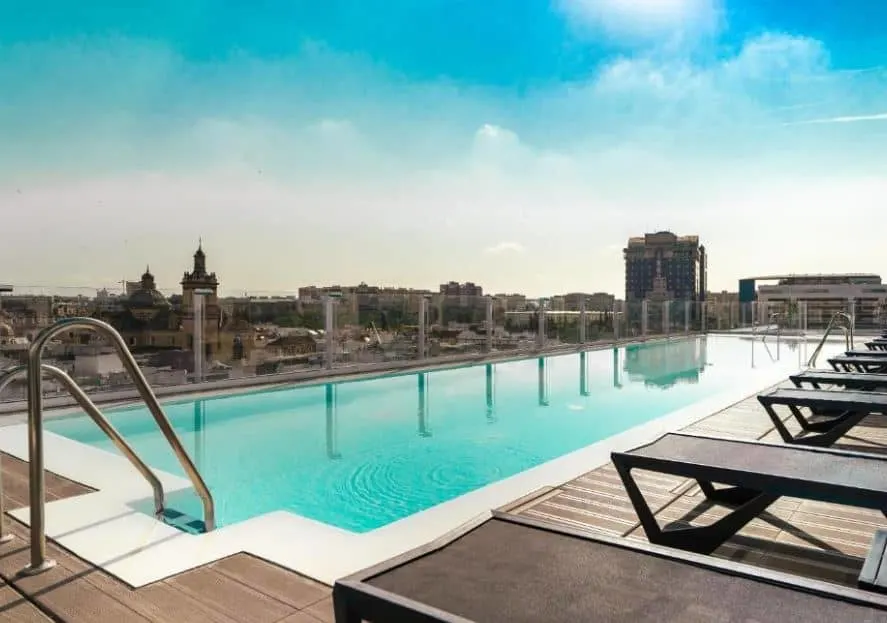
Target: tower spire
[199,261]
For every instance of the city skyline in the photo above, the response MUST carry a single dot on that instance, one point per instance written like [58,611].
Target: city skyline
[416,143]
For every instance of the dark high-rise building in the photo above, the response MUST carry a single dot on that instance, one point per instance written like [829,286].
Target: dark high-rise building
[454,288]
[663,266]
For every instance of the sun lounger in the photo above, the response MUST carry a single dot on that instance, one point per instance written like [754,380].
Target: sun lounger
[865,353]
[877,345]
[834,413]
[847,380]
[874,365]
[756,474]
[507,569]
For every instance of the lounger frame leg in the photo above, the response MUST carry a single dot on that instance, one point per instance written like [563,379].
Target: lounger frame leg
[778,424]
[342,612]
[729,496]
[825,432]
[699,539]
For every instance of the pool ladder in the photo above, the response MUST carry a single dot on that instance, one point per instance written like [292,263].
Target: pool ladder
[35,370]
[846,327]
[773,319]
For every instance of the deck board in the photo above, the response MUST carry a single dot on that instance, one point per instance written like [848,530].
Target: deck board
[14,608]
[237,589]
[813,539]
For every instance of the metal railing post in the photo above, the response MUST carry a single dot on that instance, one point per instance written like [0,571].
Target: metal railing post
[582,320]
[616,320]
[6,377]
[644,318]
[778,339]
[36,491]
[489,318]
[5,537]
[328,330]
[420,334]
[197,335]
[541,325]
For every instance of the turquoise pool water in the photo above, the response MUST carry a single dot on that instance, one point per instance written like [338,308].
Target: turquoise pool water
[361,454]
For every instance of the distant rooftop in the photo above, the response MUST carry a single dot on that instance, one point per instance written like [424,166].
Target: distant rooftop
[815,276]
[816,280]
[662,237]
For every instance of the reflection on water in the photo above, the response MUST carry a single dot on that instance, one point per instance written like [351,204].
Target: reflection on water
[617,370]
[332,424]
[490,393]
[768,348]
[667,363]
[543,383]
[661,365]
[424,415]
[199,433]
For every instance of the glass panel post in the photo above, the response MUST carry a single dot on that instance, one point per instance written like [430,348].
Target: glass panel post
[582,320]
[644,318]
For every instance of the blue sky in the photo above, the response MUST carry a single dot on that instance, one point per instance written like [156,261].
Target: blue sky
[516,143]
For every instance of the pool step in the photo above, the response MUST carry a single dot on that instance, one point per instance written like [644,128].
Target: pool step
[185,523]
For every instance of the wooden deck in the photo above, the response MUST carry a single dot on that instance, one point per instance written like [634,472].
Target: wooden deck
[240,588]
[812,539]
[807,538]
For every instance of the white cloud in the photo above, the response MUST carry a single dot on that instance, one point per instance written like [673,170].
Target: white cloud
[651,141]
[492,132]
[631,21]
[744,101]
[767,68]
[843,119]
[505,248]
[334,127]
[490,139]
[778,55]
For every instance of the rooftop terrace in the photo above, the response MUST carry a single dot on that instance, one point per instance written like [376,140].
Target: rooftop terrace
[815,540]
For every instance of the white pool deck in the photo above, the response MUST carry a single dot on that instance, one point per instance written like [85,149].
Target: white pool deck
[104,528]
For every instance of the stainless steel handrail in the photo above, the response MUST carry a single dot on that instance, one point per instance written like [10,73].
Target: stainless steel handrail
[5,537]
[39,562]
[832,323]
[771,319]
[9,375]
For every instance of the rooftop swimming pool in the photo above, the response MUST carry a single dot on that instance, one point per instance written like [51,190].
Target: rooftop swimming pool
[361,454]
